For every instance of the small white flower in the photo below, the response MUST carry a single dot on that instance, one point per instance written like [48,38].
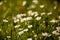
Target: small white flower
[59,17]
[23,14]
[41,6]
[35,1]
[8,36]
[25,30]
[32,6]
[1,3]
[24,19]
[55,7]
[55,32]
[4,20]
[35,14]
[17,26]
[16,20]
[30,26]
[21,32]
[24,2]
[43,13]
[49,13]
[38,18]
[29,18]
[0,29]
[35,35]
[18,15]
[58,29]
[45,34]
[30,11]
[54,21]
[29,39]
[20,29]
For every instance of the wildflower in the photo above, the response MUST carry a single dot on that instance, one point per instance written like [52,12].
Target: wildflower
[32,6]
[25,30]
[4,20]
[55,32]
[18,15]
[29,26]
[21,32]
[8,36]
[24,2]
[1,3]
[0,29]
[43,13]
[45,34]
[41,6]
[23,14]
[29,39]
[20,29]
[53,21]
[17,26]
[49,13]
[59,17]
[35,1]
[30,11]
[29,18]
[16,20]
[55,7]
[35,35]
[38,18]
[58,28]
[35,14]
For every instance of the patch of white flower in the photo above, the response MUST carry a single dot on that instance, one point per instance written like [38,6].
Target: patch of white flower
[41,6]
[1,3]
[30,26]
[29,18]
[35,1]
[17,26]
[59,17]
[24,3]
[54,21]
[32,6]
[0,29]
[25,30]
[45,34]
[49,13]
[58,29]
[43,13]
[20,33]
[38,18]
[8,36]
[29,39]
[20,29]
[55,32]
[5,20]
[16,20]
